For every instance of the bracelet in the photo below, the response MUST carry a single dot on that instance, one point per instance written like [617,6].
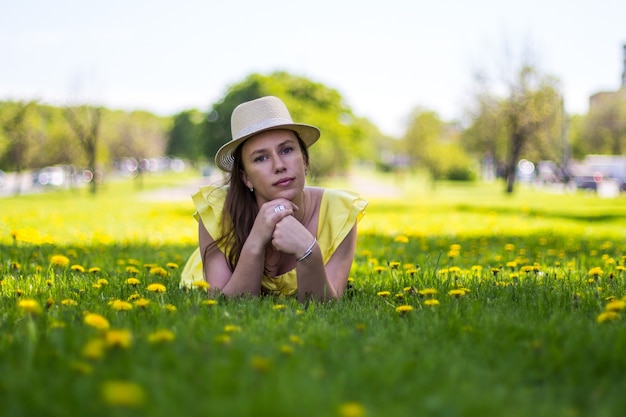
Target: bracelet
[307,252]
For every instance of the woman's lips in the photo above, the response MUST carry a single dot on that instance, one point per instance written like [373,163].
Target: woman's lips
[283,182]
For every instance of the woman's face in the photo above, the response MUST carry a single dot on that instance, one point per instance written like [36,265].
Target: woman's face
[274,165]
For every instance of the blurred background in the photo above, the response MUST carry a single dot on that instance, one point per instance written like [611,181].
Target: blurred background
[528,92]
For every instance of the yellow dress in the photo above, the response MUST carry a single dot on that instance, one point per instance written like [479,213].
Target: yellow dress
[339,211]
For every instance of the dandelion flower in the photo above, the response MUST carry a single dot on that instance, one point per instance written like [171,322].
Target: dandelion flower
[102,281]
[123,394]
[157,270]
[118,338]
[170,307]
[394,265]
[94,270]
[427,292]
[209,302]
[120,305]
[77,268]
[431,302]
[172,265]
[156,288]
[223,339]
[132,270]
[456,293]
[60,260]
[29,306]
[97,321]
[607,316]
[94,349]
[351,409]
[203,285]
[161,336]
[401,239]
[295,339]
[286,349]
[133,282]
[260,363]
[278,307]
[141,302]
[403,309]
[597,271]
[383,293]
[231,328]
[69,302]
[615,305]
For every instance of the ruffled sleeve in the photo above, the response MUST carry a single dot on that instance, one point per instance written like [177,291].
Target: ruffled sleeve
[209,201]
[340,210]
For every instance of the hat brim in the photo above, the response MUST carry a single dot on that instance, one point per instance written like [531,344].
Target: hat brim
[224,158]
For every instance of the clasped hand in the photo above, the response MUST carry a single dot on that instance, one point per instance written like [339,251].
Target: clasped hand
[281,228]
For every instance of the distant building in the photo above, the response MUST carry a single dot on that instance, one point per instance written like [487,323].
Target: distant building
[603,98]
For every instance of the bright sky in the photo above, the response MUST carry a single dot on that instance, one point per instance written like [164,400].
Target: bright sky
[384,57]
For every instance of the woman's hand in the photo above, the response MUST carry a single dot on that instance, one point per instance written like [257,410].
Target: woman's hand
[270,214]
[290,236]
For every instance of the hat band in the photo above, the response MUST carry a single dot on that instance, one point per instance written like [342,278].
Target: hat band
[263,125]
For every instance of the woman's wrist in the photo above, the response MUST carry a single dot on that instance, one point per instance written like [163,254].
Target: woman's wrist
[307,252]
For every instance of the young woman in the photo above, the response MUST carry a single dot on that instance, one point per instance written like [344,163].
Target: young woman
[266,231]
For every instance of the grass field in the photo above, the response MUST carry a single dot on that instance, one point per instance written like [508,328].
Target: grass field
[463,302]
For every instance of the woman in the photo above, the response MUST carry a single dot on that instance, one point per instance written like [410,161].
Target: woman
[266,231]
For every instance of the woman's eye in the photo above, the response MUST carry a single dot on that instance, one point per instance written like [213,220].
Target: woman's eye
[287,149]
[260,158]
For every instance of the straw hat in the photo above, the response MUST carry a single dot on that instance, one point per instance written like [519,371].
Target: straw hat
[256,116]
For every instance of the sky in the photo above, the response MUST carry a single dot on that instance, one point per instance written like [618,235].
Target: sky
[385,58]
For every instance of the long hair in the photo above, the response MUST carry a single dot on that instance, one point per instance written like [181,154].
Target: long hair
[240,208]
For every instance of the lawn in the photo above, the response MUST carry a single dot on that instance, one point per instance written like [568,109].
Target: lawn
[463,301]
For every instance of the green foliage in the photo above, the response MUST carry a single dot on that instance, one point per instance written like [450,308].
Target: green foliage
[185,137]
[308,102]
[605,125]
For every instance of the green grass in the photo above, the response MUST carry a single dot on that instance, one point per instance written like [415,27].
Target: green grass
[523,341]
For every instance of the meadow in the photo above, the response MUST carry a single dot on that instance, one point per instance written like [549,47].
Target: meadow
[463,301]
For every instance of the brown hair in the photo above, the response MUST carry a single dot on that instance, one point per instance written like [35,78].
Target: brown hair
[240,208]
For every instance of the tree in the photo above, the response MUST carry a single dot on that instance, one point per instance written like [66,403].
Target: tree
[308,102]
[185,135]
[85,123]
[605,124]
[19,133]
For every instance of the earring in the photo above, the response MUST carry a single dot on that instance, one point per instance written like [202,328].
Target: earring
[251,189]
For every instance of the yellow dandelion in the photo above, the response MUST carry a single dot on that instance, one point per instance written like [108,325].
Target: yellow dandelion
[157,270]
[97,321]
[607,316]
[401,239]
[131,269]
[615,305]
[379,269]
[94,349]
[286,349]
[120,305]
[456,293]
[394,265]
[209,302]
[161,336]
[69,302]
[278,307]
[509,247]
[427,292]
[102,282]
[132,261]
[351,409]
[597,271]
[295,339]
[123,394]
[15,265]
[77,268]
[29,306]
[172,265]
[160,288]
[134,296]
[403,309]
[141,302]
[223,339]
[170,307]
[94,270]
[260,363]
[96,286]
[231,328]
[383,293]
[57,324]
[203,285]
[133,282]
[118,338]
[60,260]
[431,302]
